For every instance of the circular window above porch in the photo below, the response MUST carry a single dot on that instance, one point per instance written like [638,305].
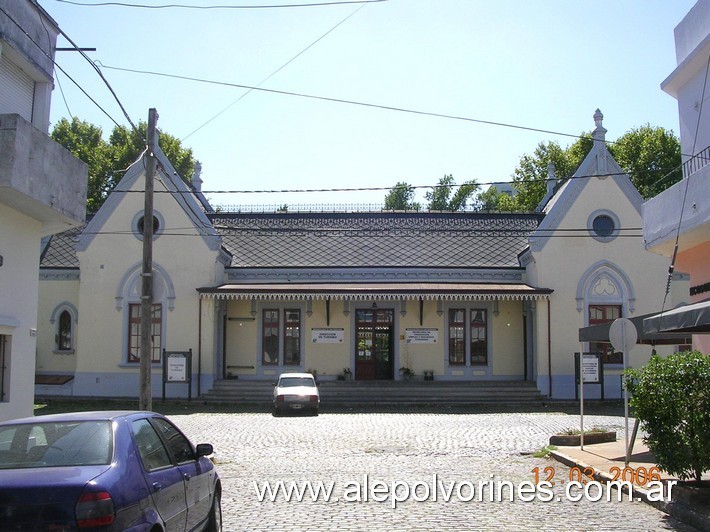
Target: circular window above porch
[603,225]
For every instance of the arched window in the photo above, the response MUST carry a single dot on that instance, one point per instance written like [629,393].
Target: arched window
[605,293]
[64,318]
[64,332]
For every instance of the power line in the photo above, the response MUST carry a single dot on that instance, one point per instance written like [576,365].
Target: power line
[192,6]
[343,101]
[276,71]
[352,189]
[48,55]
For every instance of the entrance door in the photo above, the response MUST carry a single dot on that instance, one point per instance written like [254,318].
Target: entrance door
[374,353]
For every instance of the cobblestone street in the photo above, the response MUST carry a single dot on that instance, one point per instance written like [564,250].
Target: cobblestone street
[460,449]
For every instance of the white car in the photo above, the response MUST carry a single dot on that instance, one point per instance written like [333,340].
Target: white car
[296,392]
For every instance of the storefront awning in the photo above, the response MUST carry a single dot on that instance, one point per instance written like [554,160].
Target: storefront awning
[376,291]
[689,319]
[600,333]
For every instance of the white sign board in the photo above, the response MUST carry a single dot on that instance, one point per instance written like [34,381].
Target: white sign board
[590,368]
[327,336]
[422,336]
[177,368]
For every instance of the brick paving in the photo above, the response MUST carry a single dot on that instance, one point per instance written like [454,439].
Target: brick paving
[389,447]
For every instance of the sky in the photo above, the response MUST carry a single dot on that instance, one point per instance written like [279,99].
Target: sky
[542,65]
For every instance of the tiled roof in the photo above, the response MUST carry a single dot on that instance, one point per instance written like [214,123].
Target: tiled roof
[387,239]
[60,252]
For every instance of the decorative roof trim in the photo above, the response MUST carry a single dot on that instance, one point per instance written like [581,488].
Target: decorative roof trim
[377,291]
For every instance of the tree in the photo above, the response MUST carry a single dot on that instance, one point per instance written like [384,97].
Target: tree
[85,141]
[400,198]
[531,175]
[108,160]
[651,157]
[670,397]
[440,196]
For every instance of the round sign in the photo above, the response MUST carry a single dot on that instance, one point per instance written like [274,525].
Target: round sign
[623,334]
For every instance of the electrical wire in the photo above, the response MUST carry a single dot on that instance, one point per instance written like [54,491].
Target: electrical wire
[343,101]
[192,6]
[358,189]
[48,55]
[275,72]
[671,268]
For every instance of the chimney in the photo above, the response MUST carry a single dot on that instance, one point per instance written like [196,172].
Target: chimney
[551,179]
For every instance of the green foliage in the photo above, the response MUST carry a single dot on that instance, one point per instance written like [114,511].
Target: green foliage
[545,451]
[530,177]
[108,160]
[400,198]
[671,397]
[648,154]
[440,196]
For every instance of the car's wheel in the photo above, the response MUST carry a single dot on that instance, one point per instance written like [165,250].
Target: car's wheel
[215,522]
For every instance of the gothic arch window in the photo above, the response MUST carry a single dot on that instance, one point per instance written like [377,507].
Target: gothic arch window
[64,319]
[604,293]
[128,302]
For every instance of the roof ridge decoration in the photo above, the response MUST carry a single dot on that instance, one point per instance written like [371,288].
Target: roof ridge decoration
[598,163]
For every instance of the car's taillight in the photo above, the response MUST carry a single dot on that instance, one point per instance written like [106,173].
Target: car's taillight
[280,397]
[313,398]
[94,508]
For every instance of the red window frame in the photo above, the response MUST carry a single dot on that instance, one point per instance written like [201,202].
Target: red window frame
[457,337]
[270,325]
[134,332]
[599,314]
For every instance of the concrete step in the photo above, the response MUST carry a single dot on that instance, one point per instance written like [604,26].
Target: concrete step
[386,392]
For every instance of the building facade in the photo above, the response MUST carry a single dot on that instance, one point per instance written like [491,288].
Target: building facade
[682,213]
[461,297]
[42,191]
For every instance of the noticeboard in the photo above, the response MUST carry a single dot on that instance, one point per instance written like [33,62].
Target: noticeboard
[177,369]
[422,336]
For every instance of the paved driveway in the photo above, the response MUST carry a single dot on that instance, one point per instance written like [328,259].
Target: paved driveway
[430,457]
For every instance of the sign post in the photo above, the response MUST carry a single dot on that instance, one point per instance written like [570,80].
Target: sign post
[623,336]
[177,369]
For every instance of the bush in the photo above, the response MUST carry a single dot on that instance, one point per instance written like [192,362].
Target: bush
[671,398]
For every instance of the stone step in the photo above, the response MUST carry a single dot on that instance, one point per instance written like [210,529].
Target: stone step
[386,392]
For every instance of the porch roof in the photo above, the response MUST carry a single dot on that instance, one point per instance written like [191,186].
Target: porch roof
[376,291]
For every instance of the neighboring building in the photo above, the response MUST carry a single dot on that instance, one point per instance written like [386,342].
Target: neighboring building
[683,210]
[468,296]
[42,191]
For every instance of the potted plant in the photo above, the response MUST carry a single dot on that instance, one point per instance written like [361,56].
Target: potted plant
[406,372]
[428,374]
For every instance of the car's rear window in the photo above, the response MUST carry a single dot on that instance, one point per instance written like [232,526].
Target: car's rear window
[290,382]
[55,444]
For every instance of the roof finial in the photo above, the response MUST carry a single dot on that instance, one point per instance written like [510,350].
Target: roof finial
[599,131]
[196,180]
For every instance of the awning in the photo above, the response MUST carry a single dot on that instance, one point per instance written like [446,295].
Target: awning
[600,333]
[694,318]
[378,291]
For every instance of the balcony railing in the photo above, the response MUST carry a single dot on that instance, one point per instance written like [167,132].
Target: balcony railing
[695,163]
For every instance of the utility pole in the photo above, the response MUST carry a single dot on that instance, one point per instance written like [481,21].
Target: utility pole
[146,395]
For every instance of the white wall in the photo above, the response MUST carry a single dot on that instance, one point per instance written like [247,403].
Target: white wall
[19,279]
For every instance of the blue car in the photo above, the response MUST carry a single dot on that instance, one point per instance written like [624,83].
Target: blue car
[105,471]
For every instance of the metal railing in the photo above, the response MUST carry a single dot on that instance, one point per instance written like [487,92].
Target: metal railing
[696,162]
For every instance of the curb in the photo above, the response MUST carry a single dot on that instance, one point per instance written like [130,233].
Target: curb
[683,513]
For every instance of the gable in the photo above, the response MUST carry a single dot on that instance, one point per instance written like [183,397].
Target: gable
[598,187]
[167,184]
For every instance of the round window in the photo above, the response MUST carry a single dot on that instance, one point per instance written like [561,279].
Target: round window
[141,221]
[603,226]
